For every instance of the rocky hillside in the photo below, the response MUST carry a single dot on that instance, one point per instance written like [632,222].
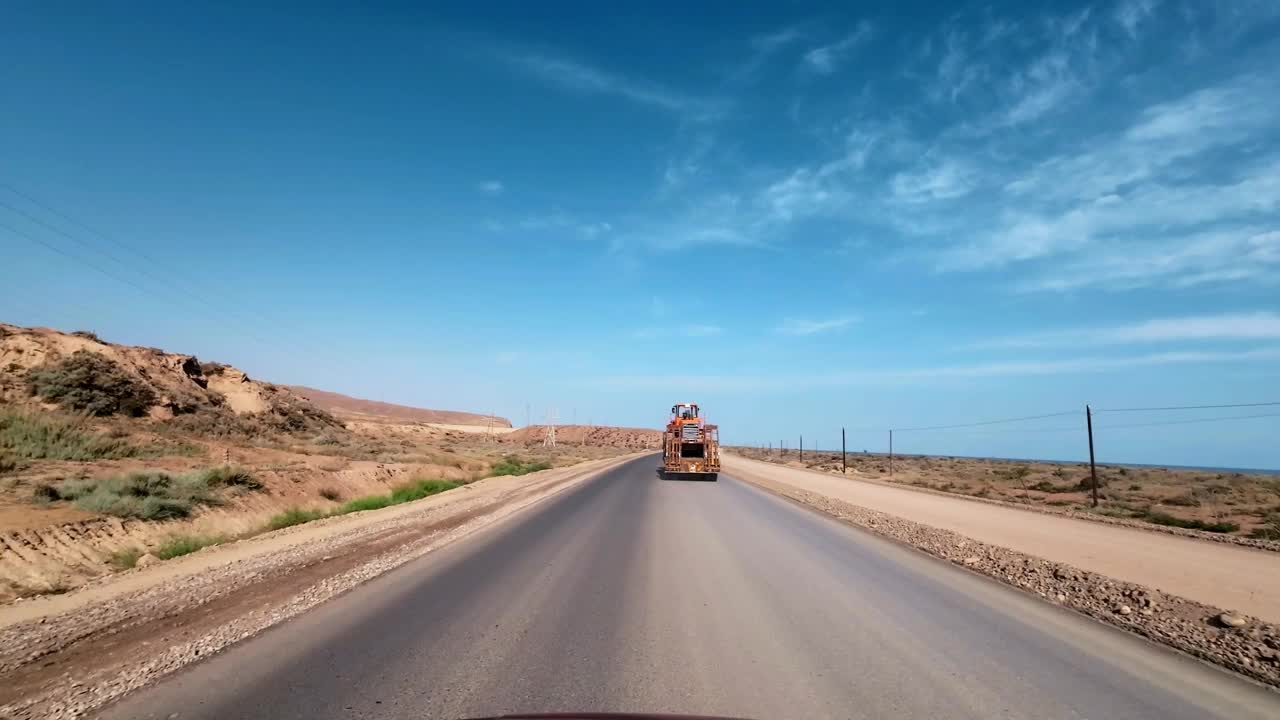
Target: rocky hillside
[345,405]
[80,373]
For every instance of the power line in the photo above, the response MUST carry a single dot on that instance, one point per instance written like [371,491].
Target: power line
[77,258]
[97,268]
[989,422]
[1188,422]
[184,290]
[1186,407]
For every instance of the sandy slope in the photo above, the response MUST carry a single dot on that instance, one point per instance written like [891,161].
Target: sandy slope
[1212,573]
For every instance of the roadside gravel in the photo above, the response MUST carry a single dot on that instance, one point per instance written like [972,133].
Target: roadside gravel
[65,664]
[1230,639]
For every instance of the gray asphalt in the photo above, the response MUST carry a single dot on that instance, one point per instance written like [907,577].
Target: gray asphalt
[634,594]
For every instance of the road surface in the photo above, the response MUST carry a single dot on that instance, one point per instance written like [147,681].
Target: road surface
[634,594]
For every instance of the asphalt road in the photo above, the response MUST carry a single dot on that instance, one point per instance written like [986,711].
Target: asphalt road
[634,594]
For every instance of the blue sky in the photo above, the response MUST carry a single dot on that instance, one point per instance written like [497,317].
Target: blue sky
[803,217]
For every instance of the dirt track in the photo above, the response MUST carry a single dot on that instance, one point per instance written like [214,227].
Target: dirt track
[1215,574]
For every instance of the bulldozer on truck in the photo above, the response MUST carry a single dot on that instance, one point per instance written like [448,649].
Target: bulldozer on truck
[690,447]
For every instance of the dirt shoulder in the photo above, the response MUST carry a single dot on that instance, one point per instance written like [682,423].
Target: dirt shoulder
[1233,640]
[61,656]
[1217,574]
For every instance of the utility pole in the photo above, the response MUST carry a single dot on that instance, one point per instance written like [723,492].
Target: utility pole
[890,453]
[528,419]
[801,449]
[1093,470]
[844,467]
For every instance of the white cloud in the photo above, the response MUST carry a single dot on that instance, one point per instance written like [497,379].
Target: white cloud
[824,59]
[939,181]
[578,77]
[491,187]
[1260,325]
[814,327]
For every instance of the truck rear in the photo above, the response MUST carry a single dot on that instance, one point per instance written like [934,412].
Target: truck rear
[690,447]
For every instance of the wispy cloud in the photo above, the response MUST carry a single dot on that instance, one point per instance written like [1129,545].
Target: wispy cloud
[1260,325]
[939,374]
[579,77]
[555,221]
[1129,14]
[1150,203]
[491,187]
[793,326]
[826,58]
[943,180]
[687,331]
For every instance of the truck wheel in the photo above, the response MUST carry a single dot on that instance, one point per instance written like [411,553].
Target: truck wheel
[711,476]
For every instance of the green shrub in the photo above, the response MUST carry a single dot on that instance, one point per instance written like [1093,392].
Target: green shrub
[512,465]
[1159,518]
[179,545]
[419,489]
[295,516]
[369,502]
[228,476]
[152,494]
[48,436]
[92,383]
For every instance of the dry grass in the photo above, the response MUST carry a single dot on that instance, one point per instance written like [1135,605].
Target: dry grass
[1214,501]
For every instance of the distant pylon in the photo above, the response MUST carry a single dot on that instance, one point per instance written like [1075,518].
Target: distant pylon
[550,439]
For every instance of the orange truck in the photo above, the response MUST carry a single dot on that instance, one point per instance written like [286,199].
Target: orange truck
[690,447]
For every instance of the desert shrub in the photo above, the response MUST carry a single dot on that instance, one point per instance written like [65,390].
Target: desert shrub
[512,465]
[44,493]
[1047,487]
[331,494]
[212,368]
[153,495]
[88,335]
[419,489]
[1270,530]
[125,559]
[1159,518]
[369,502]
[227,476]
[38,435]
[1183,500]
[8,462]
[92,383]
[294,516]
[186,544]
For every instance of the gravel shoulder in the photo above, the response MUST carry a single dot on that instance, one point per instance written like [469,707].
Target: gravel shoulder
[65,655]
[1216,574]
